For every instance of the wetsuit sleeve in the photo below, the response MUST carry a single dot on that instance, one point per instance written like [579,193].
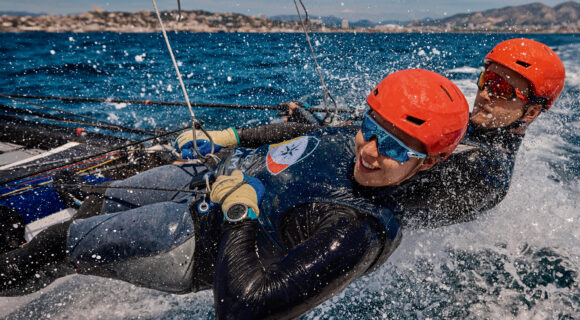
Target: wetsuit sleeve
[457,190]
[272,133]
[302,115]
[339,248]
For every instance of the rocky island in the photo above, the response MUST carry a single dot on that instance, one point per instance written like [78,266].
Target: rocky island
[535,17]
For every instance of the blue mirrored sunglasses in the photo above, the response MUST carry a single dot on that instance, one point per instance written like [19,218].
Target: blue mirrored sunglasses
[388,144]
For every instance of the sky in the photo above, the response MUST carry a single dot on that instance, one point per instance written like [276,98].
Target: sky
[375,10]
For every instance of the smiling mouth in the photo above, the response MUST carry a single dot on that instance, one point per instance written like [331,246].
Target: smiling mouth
[366,166]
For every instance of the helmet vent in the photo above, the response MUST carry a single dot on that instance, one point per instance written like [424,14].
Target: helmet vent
[521,63]
[447,93]
[376,92]
[415,120]
[458,94]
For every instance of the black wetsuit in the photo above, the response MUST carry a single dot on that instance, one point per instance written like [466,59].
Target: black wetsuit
[471,180]
[330,246]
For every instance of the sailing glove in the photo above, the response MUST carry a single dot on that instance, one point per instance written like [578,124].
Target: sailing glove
[221,138]
[247,190]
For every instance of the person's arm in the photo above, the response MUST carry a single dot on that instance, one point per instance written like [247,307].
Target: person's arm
[339,248]
[456,190]
[272,133]
[299,123]
[299,112]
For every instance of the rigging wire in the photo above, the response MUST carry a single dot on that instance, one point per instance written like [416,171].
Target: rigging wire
[96,123]
[163,103]
[193,120]
[91,186]
[326,92]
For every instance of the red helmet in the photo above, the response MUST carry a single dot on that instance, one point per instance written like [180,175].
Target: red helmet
[535,62]
[424,105]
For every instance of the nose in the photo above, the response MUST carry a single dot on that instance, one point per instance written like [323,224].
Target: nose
[371,148]
[484,94]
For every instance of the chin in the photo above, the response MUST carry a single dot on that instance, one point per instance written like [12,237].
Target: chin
[480,120]
[368,180]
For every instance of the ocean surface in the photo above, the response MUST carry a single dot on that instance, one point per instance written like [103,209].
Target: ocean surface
[519,260]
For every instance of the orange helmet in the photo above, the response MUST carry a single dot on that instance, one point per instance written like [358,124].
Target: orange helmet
[424,105]
[535,62]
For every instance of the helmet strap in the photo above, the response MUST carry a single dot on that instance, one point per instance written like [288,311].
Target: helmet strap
[519,126]
[413,172]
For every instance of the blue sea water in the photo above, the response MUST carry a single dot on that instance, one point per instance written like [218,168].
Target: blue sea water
[520,260]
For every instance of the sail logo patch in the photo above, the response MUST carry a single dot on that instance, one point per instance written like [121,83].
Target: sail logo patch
[282,155]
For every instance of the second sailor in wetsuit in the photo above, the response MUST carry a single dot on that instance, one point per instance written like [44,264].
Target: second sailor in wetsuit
[292,223]
[521,79]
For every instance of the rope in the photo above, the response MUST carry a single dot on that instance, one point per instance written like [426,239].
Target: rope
[326,92]
[163,103]
[98,124]
[193,120]
[128,187]
[70,185]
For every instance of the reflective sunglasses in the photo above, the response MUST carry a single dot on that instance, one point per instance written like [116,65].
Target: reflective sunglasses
[388,145]
[499,87]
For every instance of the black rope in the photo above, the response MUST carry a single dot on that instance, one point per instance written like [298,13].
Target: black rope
[100,123]
[163,103]
[29,188]
[71,185]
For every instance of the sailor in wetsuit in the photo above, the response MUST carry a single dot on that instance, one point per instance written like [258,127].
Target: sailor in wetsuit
[522,78]
[291,224]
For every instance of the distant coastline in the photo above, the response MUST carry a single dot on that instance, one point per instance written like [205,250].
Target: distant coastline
[532,18]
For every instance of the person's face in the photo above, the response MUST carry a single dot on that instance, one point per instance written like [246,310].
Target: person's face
[493,112]
[375,170]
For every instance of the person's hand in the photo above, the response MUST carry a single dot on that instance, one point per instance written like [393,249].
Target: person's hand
[297,112]
[237,188]
[222,138]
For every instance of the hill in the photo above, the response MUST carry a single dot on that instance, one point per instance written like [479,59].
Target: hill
[534,17]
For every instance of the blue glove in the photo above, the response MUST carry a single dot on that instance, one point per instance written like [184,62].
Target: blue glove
[221,138]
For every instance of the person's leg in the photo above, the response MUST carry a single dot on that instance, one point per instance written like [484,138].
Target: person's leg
[45,250]
[151,246]
[177,177]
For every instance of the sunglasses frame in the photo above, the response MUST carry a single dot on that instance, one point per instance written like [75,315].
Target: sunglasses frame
[410,152]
